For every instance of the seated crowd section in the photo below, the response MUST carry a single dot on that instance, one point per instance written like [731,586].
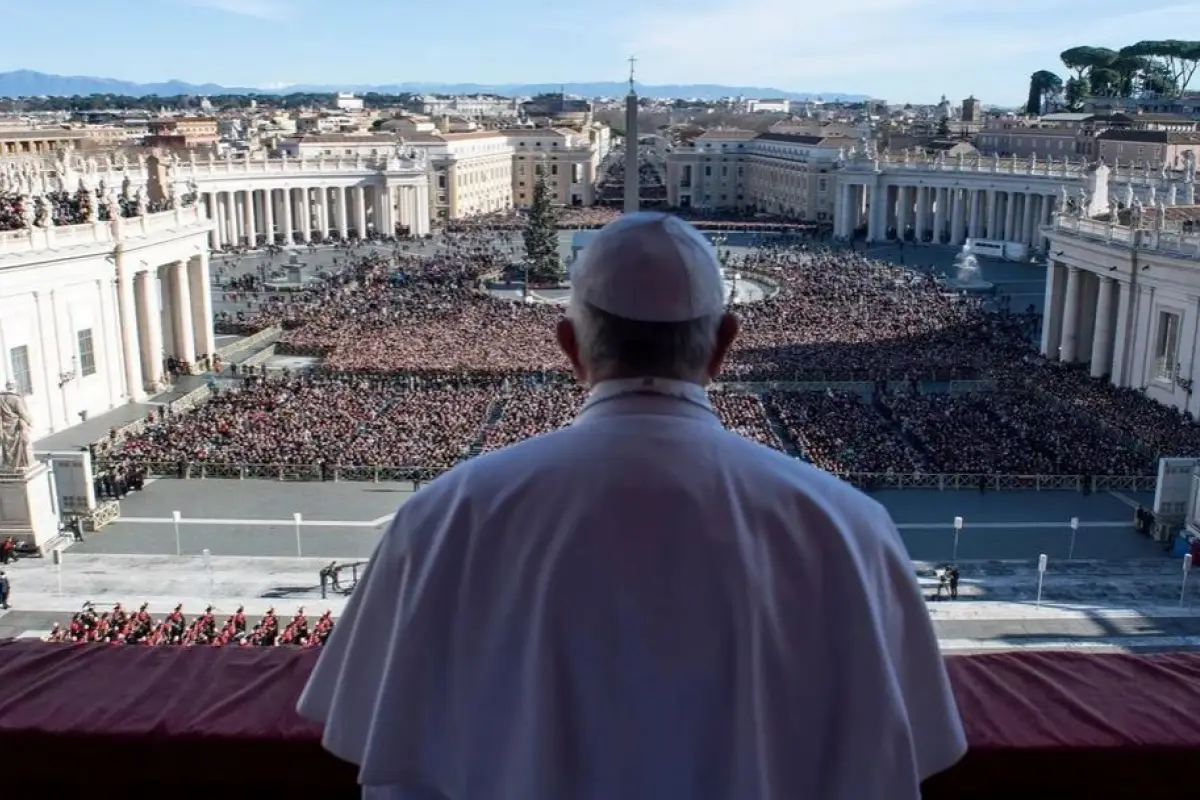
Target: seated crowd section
[119,626]
[854,364]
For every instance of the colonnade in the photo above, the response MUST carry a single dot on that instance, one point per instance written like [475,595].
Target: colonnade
[164,311]
[1081,319]
[943,214]
[298,215]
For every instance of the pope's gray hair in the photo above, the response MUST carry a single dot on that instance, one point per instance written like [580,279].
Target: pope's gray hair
[616,347]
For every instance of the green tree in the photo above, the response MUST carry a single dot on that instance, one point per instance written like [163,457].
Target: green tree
[542,262]
[943,128]
[1043,87]
[1174,57]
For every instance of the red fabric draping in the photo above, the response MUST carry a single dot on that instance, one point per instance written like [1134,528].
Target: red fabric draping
[82,718]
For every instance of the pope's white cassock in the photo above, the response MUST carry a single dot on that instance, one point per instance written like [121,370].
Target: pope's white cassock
[641,606]
[739,626]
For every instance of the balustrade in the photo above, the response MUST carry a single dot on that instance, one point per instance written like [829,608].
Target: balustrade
[103,232]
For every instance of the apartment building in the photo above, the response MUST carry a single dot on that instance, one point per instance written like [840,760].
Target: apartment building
[569,158]
[775,173]
[482,171]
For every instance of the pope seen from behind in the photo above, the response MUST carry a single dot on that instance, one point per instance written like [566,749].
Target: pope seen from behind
[642,605]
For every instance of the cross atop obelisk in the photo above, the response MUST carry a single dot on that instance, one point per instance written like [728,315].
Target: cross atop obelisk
[630,204]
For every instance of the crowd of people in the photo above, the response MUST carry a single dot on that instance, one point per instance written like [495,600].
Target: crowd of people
[119,626]
[422,369]
[58,208]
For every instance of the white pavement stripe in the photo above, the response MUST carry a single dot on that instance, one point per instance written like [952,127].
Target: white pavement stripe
[1070,643]
[375,523]
[306,523]
[1058,523]
[1126,499]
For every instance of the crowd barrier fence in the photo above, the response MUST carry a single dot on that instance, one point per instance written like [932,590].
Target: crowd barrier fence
[202,470]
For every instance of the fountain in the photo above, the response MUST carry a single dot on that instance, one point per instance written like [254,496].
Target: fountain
[968,277]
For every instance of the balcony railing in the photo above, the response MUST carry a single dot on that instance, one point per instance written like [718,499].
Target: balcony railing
[106,232]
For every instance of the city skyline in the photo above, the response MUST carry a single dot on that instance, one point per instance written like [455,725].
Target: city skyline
[899,50]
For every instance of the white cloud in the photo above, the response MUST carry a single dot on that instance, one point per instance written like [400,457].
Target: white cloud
[262,9]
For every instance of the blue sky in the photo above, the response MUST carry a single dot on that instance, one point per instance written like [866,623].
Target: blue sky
[901,50]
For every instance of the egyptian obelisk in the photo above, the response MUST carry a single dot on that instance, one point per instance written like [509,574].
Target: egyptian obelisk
[631,144]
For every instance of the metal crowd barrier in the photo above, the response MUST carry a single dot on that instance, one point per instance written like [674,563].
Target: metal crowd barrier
[203,470]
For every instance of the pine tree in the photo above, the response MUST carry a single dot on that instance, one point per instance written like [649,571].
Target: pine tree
[541,235]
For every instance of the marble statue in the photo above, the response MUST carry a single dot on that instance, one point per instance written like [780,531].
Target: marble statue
[1162,171]
[941,159]
[904,156]
[1014,162]
[1081,203]
[114,205]
[16,431]
[1189,166]
[995,162]
[27,216]
[1153,196]
[140,199]
[1065,201]
[1129,195]
[173,195]
[962,159]
[1137,212]
[1160,217]
[1032,162]
[91,211]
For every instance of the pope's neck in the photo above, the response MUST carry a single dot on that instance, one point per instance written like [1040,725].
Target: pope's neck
[630,375]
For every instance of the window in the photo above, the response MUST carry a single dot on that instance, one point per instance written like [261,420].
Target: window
[1166,348]
[87,353]
[18,359]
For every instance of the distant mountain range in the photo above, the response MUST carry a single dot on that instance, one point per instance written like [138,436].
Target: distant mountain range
[26,83]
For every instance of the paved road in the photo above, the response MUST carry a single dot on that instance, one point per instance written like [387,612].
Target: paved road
[1008,525]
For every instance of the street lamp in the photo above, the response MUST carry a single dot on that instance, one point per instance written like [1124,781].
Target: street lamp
[1074,531]
[175,517]
[958,524]
[1041,575]
[296,520]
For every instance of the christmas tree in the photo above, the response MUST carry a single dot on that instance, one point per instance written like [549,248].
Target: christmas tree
[542,263]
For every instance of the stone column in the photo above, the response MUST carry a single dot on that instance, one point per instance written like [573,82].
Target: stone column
[941,195]
[957,214]
[875,212]
[383,211]
[251,231]
[992,220]
[360,210]
[422,210]
[303,214]
[343,196]
[974,213]
[150,330]
[222,232]
[214,236]
[288,226]
[130,342]
[1068,351]
[1027,221]
[323,211]
[200,283]
[181,311]
[231,218]
[269,214]
[903,203]
[1010,208]
[1102,335]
